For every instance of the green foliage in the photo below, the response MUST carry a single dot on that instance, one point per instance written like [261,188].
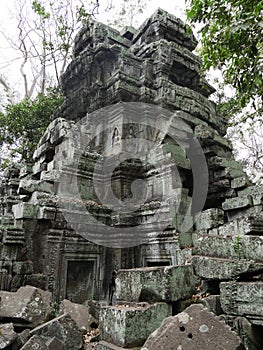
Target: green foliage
[238,247]
[232,40]
[83,16]
[56,23]
[22,124]
[53,313]
[40,9]
[61,17]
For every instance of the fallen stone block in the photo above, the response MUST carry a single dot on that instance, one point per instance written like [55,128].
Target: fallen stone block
[228,173]
[129,325]
[64,329]
[241,202]
[233,247]
[29,305]
[215,246]
[95,306]
[251,225]
[27,186]
[55,344]
[256,192]
[79,313]
[21,339]
[222,268]
[212,303]
[229,228]
[152,284]
[194,328]
[240,182]
[7,335]
[242,298]
[24,211]
[103,345]
[251,336]
[35,342]
[210,218]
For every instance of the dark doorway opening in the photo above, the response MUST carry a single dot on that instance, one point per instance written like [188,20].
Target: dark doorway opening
[158,263]
[80,281]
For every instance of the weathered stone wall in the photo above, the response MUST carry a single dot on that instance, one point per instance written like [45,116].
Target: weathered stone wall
[47,240]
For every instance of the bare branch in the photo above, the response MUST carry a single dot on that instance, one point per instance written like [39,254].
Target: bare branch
[8,90]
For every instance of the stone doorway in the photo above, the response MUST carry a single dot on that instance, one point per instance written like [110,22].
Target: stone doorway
[80,281]
[158,263]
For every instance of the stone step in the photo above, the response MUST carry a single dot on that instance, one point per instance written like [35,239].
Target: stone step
[233,247]
[130,324]
[243,299]
[222,268]
[152,284]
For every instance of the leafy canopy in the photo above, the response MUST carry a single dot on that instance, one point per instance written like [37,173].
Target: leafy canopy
[232,40]
[22,124]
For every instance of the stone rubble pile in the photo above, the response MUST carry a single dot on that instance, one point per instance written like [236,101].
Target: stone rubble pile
[29,320]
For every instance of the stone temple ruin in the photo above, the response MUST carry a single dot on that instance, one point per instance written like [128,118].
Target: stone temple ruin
[135,178]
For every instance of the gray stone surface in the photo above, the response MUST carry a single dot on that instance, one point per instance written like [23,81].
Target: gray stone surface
[237,203]
[103,345]
[210,218]
[242,298]
[212,303]
[79,313]
[240,182]
[23,267]
[27,186]
[39,244]
[7,335]
[63,328]
[25,211]
[22,338]
[222,268]
[35,342]
[55,344]
[169,283]
[251,336]
[29,305]
[129,325]
[233,247]
[194,328]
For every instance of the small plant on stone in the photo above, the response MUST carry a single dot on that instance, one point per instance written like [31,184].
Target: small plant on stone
[238,247]
[54,311]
